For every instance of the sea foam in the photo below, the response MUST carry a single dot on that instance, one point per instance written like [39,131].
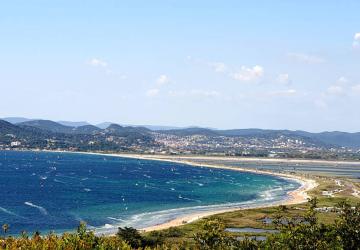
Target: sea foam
[6,211]
[40,208]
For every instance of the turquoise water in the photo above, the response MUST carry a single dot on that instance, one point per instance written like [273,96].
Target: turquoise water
[55,191]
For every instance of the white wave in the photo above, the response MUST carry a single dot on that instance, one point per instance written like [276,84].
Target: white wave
[270,194]
[40,208]
[102,176]
[66,176]
[56,180]
[87,189]
[116,219]
[108,226]
[6,211]
[152,218]
[267,195]
[188,210]
[189,199]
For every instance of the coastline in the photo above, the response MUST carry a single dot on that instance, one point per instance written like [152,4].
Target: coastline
[294,197]
[297,196]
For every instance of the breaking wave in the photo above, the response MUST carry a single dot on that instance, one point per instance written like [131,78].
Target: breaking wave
[40,208]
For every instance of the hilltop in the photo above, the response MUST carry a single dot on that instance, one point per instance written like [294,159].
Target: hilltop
[47,134]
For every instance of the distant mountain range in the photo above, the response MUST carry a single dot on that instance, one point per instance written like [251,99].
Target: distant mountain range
[15,120]
[46,134]
[48,126]
[340,139]
[77,131]
[73,124]
[103,125]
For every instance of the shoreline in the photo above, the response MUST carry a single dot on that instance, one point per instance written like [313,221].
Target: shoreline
[243,159]
[294,197]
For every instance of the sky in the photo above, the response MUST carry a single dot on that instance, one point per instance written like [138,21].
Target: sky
[220,64]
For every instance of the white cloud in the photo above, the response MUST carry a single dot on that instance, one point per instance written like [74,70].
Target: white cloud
[162,80]
[285,93]
[283,79]
[305,58]
[342,88]
[335,90]
[105,67]
[248,74]
[342,80]
[152,92]
[245,73]
[219,67]
[97,63]
[356,42]
[339,88]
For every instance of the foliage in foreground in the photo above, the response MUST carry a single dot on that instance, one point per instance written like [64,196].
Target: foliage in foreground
[295,233]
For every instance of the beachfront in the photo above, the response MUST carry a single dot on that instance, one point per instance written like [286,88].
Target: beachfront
[294,197]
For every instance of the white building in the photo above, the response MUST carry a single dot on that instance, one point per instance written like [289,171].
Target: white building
[15,143]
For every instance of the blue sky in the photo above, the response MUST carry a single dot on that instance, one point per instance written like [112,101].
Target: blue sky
[221,64]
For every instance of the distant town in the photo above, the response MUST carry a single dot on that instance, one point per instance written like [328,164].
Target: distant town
[50,135]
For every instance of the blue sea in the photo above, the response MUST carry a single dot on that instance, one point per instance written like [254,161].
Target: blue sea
[48,191]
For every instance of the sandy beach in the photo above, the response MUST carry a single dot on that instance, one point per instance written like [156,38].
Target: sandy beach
[295,197]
